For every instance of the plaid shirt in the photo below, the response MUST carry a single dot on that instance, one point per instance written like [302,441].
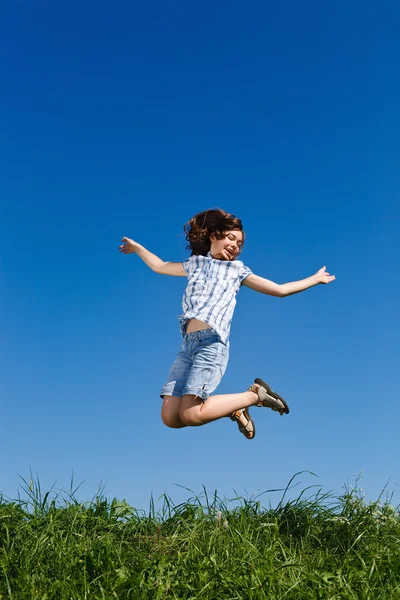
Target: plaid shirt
[210,294]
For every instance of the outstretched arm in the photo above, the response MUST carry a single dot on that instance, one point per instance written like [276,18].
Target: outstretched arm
[260,284]
[151,260]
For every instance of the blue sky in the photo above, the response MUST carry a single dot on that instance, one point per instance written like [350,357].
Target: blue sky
[126,121]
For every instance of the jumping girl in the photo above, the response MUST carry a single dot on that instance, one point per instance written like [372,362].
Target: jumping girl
[215,276]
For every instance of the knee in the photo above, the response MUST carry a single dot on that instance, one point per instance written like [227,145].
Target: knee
[191,418]
[171,420]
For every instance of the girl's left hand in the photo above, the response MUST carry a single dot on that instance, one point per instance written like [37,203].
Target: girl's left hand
[324,277]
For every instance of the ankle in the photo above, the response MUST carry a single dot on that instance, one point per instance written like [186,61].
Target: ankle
[253,396]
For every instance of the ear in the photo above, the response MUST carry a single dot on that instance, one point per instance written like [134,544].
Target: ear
[212,237]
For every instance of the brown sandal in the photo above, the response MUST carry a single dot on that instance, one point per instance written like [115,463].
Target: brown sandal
[248,430]
[268,398]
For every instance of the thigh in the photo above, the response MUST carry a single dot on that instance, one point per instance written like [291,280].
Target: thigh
[170,411]
[187,404]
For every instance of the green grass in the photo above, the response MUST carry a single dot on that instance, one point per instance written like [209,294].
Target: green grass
[314,547]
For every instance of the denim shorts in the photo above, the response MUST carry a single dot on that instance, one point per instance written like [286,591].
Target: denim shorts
[199,366]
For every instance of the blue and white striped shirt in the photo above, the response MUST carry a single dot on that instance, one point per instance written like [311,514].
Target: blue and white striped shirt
[210,294]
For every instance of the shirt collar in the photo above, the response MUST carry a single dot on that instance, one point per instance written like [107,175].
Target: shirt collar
[209,255]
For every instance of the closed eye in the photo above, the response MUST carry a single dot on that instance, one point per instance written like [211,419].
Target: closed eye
[233,239]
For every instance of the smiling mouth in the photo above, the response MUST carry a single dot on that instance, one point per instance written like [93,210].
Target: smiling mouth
[229,254]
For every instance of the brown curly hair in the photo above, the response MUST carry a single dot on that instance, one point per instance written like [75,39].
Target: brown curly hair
[199,228]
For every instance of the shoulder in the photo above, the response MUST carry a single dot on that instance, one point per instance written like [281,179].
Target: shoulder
[242,270]
[194,262]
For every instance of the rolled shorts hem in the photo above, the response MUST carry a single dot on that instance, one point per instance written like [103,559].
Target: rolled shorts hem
[202,394]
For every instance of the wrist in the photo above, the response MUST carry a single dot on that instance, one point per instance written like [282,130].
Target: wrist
[316,279]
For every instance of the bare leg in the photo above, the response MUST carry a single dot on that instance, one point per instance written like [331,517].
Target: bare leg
[170,412]
[193,411]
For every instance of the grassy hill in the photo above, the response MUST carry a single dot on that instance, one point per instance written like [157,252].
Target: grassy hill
[315,547]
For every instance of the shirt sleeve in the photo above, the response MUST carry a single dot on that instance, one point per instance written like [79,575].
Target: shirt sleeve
[188,265]
[244,272]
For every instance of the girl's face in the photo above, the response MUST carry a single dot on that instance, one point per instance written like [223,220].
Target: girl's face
[229,247]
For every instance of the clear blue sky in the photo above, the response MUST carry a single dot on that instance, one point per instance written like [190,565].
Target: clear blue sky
[127,119]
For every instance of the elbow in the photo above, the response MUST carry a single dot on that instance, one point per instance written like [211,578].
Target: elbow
[159,268]
[280,293]
[274,293]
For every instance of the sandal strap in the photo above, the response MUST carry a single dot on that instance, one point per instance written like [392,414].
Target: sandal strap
[249,427]
[238,413]
[269,402]
[254,388]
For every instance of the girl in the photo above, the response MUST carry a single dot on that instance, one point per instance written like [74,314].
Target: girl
[215,276]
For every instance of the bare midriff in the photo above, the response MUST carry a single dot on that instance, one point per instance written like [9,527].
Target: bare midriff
[196,325]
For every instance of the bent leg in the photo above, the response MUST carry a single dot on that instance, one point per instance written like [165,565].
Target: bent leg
[170,412]
[194,411]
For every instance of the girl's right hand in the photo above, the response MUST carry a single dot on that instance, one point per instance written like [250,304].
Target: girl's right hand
[128,246]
